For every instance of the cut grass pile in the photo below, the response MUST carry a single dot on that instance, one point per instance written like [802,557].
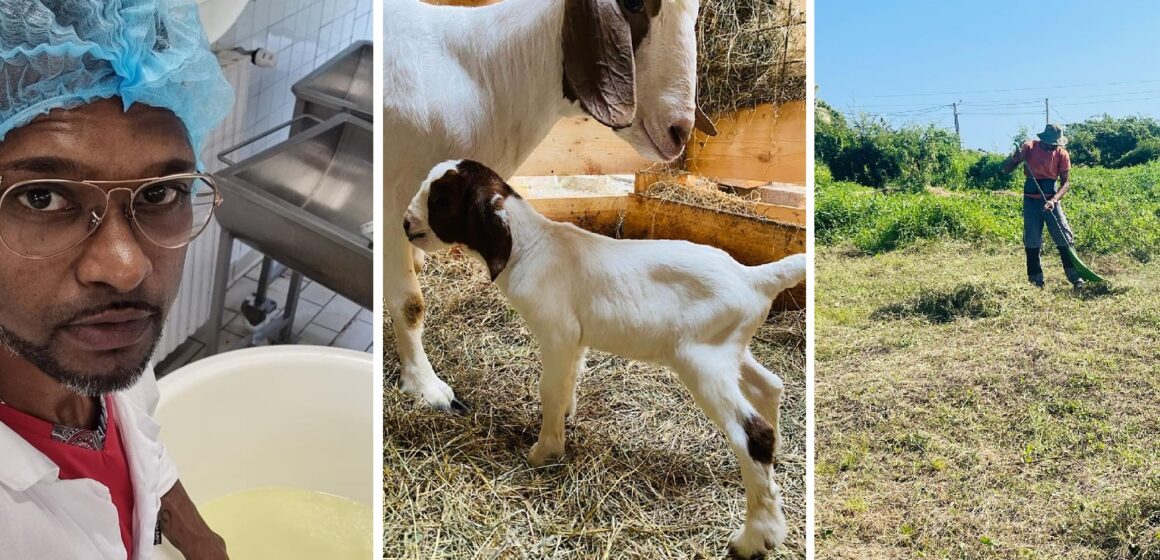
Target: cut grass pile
[1111,211]
[1030,434]
[645,475]
[964,301]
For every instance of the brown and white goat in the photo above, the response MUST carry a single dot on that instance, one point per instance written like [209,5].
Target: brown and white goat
[685,306]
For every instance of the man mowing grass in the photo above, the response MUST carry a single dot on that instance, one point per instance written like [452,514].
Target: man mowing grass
[1047,162]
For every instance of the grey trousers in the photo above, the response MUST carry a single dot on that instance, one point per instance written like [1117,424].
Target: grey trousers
[1034,218]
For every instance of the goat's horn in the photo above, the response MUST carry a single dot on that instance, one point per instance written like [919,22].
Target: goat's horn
[702,122]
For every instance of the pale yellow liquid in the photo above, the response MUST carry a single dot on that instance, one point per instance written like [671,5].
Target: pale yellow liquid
[290,524]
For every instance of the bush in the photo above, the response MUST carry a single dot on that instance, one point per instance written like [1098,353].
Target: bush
[870,152]
[1145,151]
[1104,141]
[822,174]
[987,174]
[958,174]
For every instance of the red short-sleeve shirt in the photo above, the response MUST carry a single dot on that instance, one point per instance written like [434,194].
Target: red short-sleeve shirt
[1045,165]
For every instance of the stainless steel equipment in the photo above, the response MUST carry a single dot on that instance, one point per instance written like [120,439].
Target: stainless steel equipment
[303,203]
[344,84]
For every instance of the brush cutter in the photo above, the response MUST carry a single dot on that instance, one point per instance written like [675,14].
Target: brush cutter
[1081,268]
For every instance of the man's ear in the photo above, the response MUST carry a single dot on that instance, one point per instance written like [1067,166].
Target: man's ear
[598,60]
[489,233]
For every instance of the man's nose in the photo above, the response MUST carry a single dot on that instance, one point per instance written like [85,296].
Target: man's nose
[114,255]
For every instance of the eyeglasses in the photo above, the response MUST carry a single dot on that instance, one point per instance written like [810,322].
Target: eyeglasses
[42,218]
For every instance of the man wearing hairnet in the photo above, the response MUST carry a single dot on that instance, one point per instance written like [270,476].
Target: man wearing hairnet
[104,106]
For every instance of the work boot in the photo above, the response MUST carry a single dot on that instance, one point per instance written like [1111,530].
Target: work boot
[1069,268]
[1034,269]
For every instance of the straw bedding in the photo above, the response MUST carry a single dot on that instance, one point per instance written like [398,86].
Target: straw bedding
[646,475]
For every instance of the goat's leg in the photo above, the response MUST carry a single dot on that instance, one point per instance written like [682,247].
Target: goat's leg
[562,365]
[404,303]
[764,390]
[712,377]
[580,367]
[418,257]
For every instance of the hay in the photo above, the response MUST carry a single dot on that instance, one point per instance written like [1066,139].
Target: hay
[705,194]
[750,52]
[646,474]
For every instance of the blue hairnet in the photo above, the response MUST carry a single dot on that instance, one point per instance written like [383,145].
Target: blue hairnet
[60,54]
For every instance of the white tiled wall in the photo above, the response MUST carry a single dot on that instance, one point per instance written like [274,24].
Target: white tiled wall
[304,34]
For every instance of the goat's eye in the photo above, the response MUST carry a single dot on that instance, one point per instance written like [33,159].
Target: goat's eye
[634,6]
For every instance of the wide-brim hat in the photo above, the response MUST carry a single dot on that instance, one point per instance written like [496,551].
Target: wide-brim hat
[1053,135]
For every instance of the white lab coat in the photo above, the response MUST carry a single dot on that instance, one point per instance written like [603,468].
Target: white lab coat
[44,518]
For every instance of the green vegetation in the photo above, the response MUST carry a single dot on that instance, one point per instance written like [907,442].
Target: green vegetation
[870,152]
[1107,142]
[962,415]
[880,189]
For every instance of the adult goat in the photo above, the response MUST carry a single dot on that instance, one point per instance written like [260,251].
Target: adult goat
[488,84]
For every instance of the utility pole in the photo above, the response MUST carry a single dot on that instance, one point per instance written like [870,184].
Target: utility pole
[955,108]
[1046,112]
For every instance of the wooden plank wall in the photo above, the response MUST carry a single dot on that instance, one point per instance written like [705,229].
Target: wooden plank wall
[763,144]
[766,144]
[582,146]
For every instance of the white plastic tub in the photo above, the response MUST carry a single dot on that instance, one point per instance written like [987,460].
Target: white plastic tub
[276,416]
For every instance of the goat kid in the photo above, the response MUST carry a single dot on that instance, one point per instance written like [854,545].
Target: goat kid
[488,84]
[678,304]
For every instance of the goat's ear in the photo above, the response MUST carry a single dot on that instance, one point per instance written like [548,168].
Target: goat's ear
[598,60]
[488,230]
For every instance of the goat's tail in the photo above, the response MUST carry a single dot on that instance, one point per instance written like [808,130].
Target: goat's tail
[776,277]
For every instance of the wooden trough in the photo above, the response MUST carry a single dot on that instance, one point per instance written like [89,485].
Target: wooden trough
[759,151]
[750,240]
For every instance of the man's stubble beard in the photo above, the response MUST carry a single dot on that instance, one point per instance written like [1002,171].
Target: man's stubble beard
[81,383]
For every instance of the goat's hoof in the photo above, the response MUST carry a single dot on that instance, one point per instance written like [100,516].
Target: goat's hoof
[433,392]
[733,553]
[458,406]
[756,543]
[541,455]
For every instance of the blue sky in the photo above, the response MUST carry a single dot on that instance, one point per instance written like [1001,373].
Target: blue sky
[909,60]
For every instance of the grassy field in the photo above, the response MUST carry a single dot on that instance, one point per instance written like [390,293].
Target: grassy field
[646,475]
[963,414]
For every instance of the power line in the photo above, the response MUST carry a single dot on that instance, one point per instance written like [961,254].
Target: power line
[1010,108]
[1108,102]
[1005,90]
